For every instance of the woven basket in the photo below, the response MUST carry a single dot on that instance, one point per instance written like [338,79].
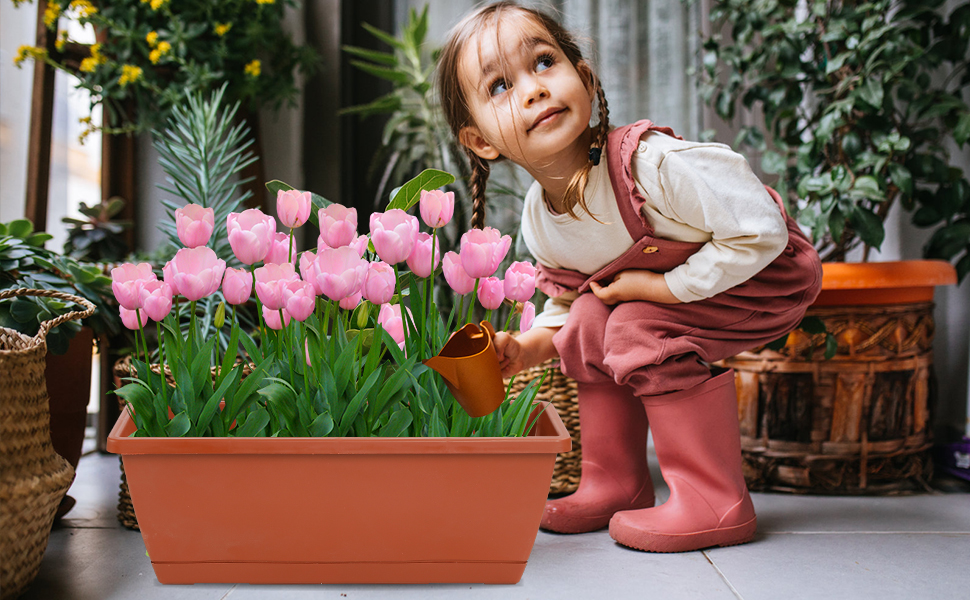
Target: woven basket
[34,478]
[561,391]
[857,423]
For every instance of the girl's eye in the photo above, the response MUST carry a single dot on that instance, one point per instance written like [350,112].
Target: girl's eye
[498,87]
[544,62]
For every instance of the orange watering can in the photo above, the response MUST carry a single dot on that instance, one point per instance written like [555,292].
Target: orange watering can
[469,366]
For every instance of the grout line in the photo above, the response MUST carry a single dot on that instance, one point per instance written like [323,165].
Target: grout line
[235,585]
[724,578]
[864,532]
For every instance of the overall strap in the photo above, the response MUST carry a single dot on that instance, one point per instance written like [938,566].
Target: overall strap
[621,145]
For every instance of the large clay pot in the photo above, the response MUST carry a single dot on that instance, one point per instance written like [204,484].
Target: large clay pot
[859,421]
[340,510]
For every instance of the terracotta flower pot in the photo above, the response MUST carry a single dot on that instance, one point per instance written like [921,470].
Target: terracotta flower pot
[340,510]
[857,422]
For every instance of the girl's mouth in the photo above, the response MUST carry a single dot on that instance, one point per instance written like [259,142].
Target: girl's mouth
[546,117]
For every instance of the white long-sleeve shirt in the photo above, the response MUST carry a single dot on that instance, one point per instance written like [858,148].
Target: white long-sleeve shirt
[695,192]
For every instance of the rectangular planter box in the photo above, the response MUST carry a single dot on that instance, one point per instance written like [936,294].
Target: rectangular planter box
[340,510]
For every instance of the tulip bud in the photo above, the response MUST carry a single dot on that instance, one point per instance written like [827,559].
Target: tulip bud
[220,319]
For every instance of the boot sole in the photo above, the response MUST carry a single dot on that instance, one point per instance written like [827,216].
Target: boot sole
[687,542]
[580,524]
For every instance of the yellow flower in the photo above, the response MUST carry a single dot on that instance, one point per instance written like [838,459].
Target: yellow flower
[160,51]
[254,68]
[157,4]
[152,38]
[51,14]
[32,52]
[265,1]
[222,28]
[129,74]
[164,47]
[84,8]
[88,65]
[96,53]
[61,41]
[84,120]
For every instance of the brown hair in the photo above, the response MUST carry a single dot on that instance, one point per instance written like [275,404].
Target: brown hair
[454,102]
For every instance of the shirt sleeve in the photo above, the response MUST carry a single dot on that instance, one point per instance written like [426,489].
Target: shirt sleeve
[712,188]
[555,311]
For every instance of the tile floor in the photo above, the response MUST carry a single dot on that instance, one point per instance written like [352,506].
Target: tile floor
[885,548]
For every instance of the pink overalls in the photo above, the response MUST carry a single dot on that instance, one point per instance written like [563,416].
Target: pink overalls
[660,348]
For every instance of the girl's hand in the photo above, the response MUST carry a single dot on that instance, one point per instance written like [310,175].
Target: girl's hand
[528,350]
[635,284]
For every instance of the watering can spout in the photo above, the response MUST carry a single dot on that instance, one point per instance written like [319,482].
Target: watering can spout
[469,366]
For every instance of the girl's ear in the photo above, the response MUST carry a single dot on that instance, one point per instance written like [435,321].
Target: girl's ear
[471,137]
[586,74]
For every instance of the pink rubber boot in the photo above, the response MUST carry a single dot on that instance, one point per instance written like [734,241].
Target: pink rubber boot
[698,446]
[615,477]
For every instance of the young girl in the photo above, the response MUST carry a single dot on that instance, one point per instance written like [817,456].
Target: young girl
[660,256]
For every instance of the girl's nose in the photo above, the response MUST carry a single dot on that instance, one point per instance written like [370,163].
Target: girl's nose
[534,91]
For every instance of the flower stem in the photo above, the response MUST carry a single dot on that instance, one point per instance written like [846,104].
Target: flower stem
[290,250]
[282,341]
[511,313]
[471,305]
[259,309]
[161,361]
[400,301]
[192,335]
[430,299]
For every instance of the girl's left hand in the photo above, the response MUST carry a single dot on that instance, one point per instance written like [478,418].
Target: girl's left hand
[635,284]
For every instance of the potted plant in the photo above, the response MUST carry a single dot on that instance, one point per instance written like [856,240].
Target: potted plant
[25,263]
[860,101]
[362,465]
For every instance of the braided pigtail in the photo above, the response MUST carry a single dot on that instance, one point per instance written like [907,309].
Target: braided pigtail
[477,183]
[574,192]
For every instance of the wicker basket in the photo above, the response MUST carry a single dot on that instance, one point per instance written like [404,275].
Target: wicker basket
[34,478]
[561,391]
[857,423]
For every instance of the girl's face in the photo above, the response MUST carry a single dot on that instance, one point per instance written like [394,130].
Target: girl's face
[527,101]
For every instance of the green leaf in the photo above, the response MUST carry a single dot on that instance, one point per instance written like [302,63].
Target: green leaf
[831,346]
[384,58]
[868,225]
[409,193]
[384,37]
[178,426]
[21,228]
[38,239]
[869,187]
[322,425]
[255,423]
[901,178]
[398,424]
[872,92]
[772,162]
[394,75]
[962,131]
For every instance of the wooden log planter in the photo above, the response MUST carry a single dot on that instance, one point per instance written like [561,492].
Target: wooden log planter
[859,422]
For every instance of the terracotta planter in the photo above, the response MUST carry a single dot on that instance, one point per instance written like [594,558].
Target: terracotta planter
[857,423]
[340,510]
[69,387]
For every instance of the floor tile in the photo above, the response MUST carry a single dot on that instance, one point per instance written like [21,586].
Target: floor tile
[856,566]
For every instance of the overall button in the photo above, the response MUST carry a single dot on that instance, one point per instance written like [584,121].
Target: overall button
[650,249]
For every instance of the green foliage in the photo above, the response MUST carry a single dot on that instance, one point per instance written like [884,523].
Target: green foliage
[859,100]
[154,53]
[98,238]
[25,263]
[202,151]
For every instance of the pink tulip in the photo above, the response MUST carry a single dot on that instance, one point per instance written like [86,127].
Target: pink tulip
[250,234]
[279,249]
[194,224]
[390,319]
[528,316]
[338,225]
[168,274]
[455,274]
[300,299]
[237,286]
[197,272]
[482,251]
[127,281]
[420,259]
[436,207]
[378,285]
[293,207]
[359,244]
[156,299]
[394,234]
[130,318]
[491,292]
[306,351]
[340,272]
[272,318]
[270,281]
[520,281]
[351,302]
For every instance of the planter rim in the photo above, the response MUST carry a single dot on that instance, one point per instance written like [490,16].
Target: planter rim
[552,437]
[892,274]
